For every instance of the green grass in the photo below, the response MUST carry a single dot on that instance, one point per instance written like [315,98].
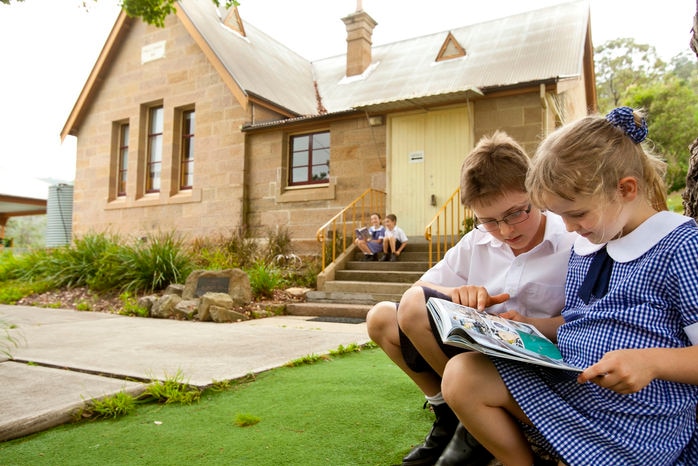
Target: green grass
[353,409]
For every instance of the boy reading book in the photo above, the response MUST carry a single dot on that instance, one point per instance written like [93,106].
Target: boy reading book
[513,263]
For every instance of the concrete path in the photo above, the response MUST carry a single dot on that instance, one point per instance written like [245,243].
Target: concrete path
[64,358]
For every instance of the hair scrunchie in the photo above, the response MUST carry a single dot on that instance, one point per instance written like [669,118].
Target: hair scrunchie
[623,118]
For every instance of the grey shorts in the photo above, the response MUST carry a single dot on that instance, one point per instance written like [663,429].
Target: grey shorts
[412,358]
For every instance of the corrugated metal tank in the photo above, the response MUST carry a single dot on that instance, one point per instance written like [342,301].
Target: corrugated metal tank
[59,215]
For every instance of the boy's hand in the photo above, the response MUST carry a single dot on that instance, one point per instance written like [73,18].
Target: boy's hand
[476,297]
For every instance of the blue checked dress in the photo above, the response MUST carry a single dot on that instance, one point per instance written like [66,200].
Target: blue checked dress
[652,301]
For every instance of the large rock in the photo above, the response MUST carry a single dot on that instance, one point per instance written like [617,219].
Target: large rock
[186,309]
[234,282]
[209,300]
[164,308]
[223,315]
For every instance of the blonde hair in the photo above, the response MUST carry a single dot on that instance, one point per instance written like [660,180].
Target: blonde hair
[497,165]
[588,157]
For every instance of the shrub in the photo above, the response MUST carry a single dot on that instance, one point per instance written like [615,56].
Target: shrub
[155,263]
[264,279]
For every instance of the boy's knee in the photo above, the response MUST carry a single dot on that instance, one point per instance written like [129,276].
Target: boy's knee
[379,319]
[413,310]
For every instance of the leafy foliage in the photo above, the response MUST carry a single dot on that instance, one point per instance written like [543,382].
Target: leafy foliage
[631,74]
[103,262]
[672,109]
[155,11]
[264,279]
[172,390]
[114,406]
[622,64]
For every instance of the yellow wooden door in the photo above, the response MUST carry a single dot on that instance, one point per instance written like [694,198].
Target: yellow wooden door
[425,155]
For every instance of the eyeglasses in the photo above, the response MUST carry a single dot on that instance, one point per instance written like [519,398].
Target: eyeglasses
[511,219]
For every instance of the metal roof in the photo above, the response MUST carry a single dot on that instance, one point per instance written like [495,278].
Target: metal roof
[258,63]
[531,47]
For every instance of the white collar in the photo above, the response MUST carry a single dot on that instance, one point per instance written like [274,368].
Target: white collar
[638,241]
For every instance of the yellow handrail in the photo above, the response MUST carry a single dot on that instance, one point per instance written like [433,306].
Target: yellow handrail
[455,219]
[341,227]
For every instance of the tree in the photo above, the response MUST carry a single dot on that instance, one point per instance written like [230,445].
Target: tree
[672,114]
[622,64]
[151,11]
[690,194]
[27,232]
[631,74]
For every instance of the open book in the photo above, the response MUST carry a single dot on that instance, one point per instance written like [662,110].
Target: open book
[471,329]
[363,233]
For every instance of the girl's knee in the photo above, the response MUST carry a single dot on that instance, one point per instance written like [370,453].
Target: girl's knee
[462,376]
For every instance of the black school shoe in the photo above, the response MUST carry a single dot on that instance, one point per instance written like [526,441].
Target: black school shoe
[428,452]
[464,449]
[386,257]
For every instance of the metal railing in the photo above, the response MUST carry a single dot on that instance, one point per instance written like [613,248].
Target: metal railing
[337,234]
[448,226]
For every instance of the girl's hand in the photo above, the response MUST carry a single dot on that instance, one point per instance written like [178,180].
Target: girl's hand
[623,371]
[513,315]
[476,297]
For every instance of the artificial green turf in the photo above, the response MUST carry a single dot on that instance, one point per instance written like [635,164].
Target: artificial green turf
[354,409]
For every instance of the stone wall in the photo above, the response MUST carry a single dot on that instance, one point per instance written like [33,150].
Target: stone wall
[183,78]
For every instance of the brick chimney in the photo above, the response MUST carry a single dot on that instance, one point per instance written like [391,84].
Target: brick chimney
[359,30]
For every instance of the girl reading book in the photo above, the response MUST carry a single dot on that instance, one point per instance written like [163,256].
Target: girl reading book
[630,316]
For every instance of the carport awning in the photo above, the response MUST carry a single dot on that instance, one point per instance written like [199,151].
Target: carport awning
[16,206]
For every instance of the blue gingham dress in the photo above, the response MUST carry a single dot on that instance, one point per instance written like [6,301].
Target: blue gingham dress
[652,298]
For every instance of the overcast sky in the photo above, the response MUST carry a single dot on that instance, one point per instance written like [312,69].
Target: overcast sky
[49,48]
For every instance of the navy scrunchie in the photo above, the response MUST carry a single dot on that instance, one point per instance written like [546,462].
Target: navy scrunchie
[623,118]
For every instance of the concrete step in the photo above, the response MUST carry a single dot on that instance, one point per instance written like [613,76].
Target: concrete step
[347,297]
[377,276]
[331,310]
[404,266]
[406,256]
[366,287]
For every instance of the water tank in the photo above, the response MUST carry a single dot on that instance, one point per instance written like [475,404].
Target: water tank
[59,215]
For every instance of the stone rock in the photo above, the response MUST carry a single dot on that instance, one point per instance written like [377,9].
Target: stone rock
[174,288]
[146,302]
[164,307]
[237,285]
[297,292]
[222,300]
[222,314]
[186,309]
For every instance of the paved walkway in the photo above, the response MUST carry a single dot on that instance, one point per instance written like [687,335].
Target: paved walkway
[64,358]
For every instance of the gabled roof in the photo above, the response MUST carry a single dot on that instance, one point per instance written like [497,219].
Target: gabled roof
[259,64]
[541,46]
[538,46]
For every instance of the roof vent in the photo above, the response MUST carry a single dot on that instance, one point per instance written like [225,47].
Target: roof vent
[450,49]
[233,21]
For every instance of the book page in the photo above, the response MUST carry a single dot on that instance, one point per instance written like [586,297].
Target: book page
[468,328]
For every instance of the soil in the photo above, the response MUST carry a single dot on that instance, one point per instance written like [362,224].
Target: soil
[80,298]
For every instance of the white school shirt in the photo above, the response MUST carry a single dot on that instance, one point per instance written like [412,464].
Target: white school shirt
[397,232]
[534,280]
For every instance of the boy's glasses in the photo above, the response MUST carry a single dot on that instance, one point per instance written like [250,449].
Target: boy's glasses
[511,219]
